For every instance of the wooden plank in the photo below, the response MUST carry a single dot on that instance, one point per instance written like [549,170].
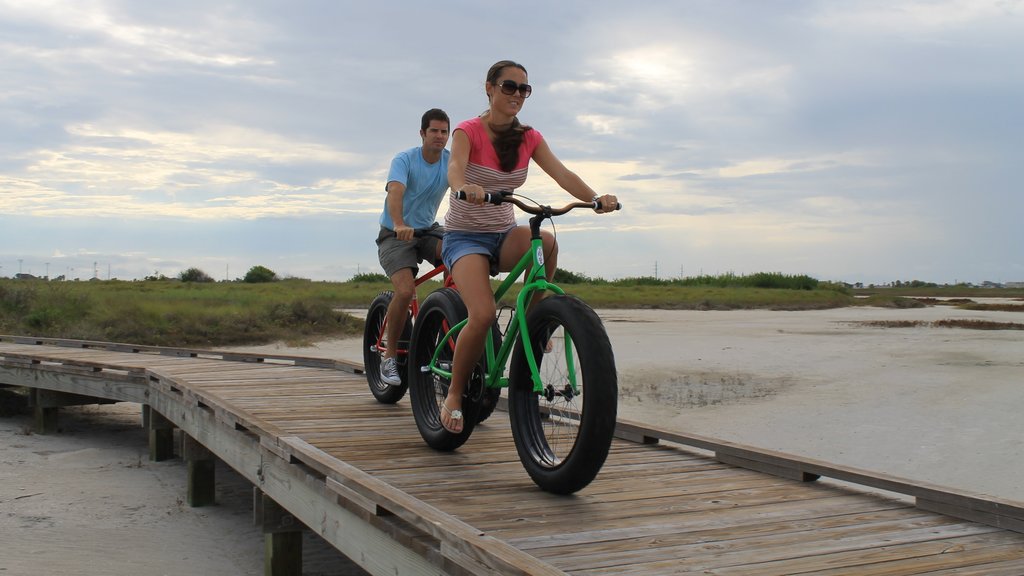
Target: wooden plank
[984,512]
[104,385]
[1007,511]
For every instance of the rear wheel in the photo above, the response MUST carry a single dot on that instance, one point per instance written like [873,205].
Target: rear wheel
[374,345]
[563,433]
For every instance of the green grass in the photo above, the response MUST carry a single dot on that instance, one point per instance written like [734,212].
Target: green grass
[168,313]
[204,314]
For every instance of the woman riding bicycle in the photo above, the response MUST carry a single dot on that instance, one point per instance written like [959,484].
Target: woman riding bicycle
[491,153]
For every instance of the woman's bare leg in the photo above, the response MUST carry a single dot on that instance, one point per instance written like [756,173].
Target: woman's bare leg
[472,277]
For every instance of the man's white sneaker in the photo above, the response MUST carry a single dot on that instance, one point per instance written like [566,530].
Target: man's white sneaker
[389,372]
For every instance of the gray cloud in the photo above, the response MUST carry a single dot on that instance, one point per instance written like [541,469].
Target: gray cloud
[731,121]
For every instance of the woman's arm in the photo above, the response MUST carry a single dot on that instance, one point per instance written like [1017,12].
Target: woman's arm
[457,163]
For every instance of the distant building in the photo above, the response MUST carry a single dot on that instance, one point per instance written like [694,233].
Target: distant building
[1013,285]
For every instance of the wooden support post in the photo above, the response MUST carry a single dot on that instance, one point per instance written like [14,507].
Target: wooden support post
[282,554]
[44,411]
[201,472]
[161,437]
[282,547]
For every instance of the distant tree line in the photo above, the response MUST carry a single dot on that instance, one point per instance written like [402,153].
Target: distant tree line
[729,280]
[759,280]
[255,275]
[776,280]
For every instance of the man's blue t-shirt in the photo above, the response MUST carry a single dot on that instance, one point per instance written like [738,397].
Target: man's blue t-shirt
[425,185]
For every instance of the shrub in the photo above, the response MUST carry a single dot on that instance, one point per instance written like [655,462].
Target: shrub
[258,274]
[194,275]
[370,278]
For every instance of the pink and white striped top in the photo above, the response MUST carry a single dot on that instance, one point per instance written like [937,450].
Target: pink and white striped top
[484,169]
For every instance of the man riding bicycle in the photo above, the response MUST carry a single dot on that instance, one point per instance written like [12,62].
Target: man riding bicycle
[417,182]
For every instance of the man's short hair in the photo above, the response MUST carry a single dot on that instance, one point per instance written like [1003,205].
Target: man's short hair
[434,114]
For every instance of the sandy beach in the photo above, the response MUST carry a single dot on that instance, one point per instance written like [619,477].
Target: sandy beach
[930,403]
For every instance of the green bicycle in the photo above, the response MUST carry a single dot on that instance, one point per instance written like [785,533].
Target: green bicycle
[563,387]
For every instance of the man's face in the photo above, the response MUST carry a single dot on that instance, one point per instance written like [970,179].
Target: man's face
[435,137]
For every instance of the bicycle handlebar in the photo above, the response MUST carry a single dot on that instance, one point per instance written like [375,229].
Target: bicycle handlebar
[420,232]
[507,196]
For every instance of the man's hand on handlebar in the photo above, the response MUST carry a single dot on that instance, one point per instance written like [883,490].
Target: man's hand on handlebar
[403,232]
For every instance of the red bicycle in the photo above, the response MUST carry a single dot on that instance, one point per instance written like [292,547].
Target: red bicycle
[375,344]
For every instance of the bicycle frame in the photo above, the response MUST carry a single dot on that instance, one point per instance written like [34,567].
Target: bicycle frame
[414,307]
[535,282]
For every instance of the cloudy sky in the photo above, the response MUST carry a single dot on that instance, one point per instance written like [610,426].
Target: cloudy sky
[855,141]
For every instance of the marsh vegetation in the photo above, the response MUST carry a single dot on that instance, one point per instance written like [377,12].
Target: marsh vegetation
[173,312]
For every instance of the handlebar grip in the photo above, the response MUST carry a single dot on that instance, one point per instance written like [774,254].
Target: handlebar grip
[488,197]
[598,206]
[418,233]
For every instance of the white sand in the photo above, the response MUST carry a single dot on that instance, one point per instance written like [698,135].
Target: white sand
[936,404]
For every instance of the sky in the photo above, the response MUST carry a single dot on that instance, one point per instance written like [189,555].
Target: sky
[853,141]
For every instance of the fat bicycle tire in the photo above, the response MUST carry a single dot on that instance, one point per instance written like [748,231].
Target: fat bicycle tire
[441,310]
[374,356]
[563,435]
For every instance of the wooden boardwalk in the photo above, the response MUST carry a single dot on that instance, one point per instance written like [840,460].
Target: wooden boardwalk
[309,435]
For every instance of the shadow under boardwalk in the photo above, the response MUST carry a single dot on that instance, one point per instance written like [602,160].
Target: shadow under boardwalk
[358,473]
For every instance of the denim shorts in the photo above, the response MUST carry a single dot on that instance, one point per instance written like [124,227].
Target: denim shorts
[459,243]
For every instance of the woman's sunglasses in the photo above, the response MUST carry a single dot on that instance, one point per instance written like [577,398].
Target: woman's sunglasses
[509,88]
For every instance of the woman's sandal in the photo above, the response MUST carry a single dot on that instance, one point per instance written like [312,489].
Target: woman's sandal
[455,416]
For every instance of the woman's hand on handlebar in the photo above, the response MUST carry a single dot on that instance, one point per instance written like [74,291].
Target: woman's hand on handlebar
[474,194]
[607,203]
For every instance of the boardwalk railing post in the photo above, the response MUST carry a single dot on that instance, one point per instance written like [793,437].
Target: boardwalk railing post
[282,545]
[201,472]
[161,437]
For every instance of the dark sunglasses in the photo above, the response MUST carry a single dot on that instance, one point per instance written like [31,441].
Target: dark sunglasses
[509,88]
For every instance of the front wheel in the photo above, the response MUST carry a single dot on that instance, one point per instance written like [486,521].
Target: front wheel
[563,432]
[374,345]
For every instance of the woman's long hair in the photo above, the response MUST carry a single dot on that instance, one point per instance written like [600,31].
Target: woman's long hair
[507,142]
